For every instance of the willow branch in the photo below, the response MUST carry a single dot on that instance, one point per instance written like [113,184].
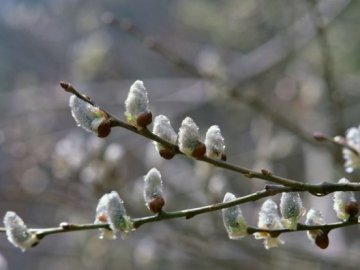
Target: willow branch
[302,227]
[316,189]
[171,56]
[64,227]
[190,213]
[338,141]
[271,47]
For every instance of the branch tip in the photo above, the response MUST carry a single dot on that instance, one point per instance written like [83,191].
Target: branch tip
[65,85]
[319,136]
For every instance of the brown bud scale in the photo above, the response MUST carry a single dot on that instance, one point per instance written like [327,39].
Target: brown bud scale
[156,204]
[144,119]
[104,129]
[322,240]
[167,153]
[199,151]
[352,208]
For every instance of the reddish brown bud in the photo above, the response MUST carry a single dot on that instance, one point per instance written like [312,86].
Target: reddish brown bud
[322,240]
[167,153]
[156,204]
[102,218]
[352,208]
[104,129]
[223,157]
[319,136]
[199,151]
[65,85]
[265,172]
[145,119]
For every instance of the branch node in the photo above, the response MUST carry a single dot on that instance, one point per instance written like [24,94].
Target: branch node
[265,172]
[66,226]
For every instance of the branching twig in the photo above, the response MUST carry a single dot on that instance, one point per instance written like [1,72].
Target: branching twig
[338,141]
[189,213]
[232,90]
[319,189]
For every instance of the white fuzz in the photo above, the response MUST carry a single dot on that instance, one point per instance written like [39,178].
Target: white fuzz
[17,233]
[341,199]
[352,161]
[110,210]
[234,221]
[136,103]
[86,115]
[291,209]
[269,219]
[314,218]
[188,136]
[163,129]
[153,187]
[214,141]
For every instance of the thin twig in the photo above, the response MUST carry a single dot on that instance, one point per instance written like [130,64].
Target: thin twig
[302,227]
[338,141]
[189,213]
[232,90]
[319,189]
[328,66]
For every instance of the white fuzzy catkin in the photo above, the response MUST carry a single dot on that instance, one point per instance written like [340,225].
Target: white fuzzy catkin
[153,187]
[188,136]
[291,208]
[136,103]
[352,160]
[214,142]
[314,218]
[269,219]
[341,199]
[163,129]
[233,219]
[86,115]
[111,210]
[17,233]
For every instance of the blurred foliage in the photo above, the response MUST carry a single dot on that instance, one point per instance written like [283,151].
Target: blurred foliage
[51,171]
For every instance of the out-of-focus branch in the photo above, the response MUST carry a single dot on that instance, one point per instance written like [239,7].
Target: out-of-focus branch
[275,51]
[172,57]
[338,141]
[252,100]
[335,98]
[319,190]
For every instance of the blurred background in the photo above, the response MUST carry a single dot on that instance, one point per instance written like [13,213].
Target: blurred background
[269,73]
